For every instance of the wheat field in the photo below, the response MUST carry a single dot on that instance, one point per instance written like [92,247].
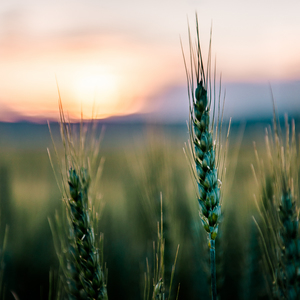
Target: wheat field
[149,162]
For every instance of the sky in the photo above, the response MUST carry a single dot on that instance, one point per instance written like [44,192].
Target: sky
[117,58]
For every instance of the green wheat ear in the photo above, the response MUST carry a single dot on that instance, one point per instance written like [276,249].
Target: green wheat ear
[76,242]
[205,143]
[279,209]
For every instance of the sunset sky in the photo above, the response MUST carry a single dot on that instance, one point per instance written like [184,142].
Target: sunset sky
[124,57]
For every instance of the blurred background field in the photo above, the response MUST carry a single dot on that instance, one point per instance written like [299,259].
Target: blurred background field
[141,160]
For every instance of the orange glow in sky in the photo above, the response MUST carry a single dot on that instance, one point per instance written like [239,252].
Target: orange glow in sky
[106,76]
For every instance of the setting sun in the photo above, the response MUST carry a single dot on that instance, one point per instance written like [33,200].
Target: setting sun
[97,91]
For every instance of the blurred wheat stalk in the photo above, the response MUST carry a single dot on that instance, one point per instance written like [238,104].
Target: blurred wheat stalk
[279,210]
[207,159]
[75,233]
[158,291]
[2,263]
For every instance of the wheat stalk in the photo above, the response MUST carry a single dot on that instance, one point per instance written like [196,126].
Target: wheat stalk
[205,144]
[2,263]
[74,236]
[159,291]
[279,209]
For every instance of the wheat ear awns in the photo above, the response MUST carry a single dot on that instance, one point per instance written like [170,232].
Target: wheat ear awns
[205,140]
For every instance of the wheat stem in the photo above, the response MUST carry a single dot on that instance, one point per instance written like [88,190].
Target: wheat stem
[213,270]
